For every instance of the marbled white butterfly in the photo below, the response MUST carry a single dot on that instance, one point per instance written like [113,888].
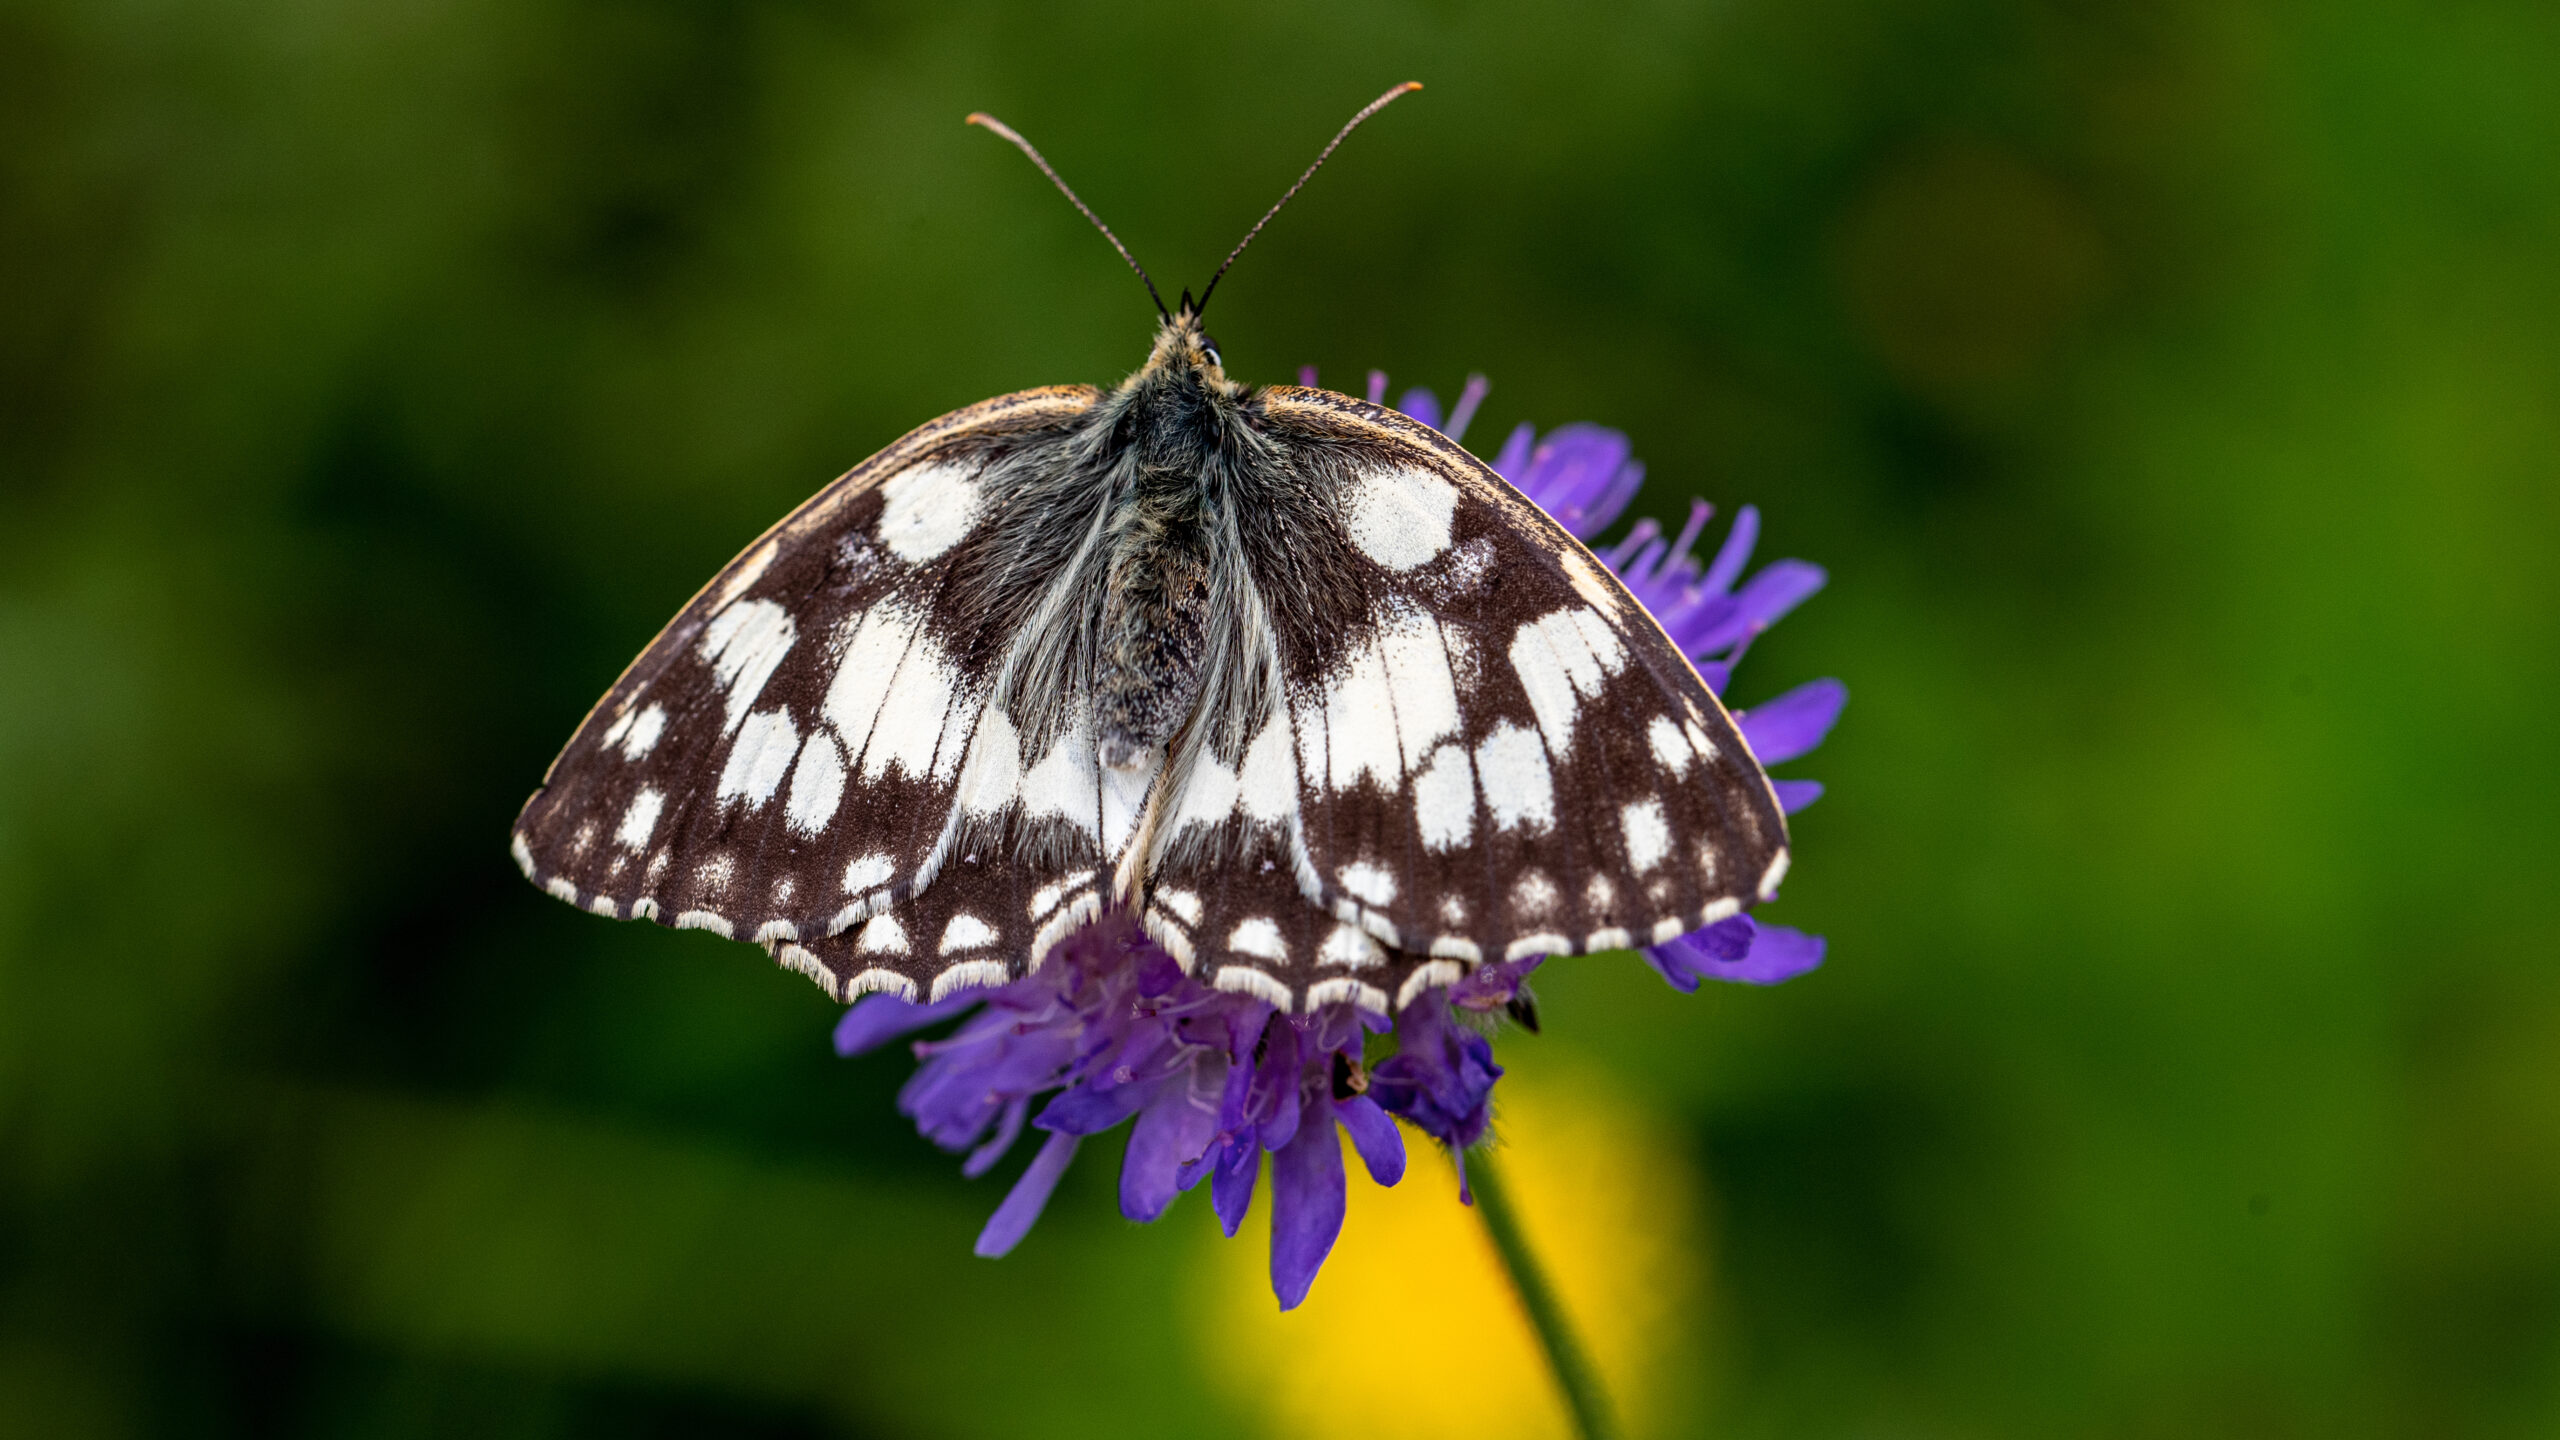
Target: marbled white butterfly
[1335,710]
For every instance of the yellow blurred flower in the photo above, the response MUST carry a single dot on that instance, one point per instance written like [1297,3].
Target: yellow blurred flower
[1413,1331]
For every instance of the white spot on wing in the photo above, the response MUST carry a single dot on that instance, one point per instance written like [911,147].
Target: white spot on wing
[1669,745]
[1183,903]
[1562,660]
[1518,791]
[878,978]
[1533,894]
[1586,579]
[1245,980]
[874,642]
[1350,947]
[994,772]
[641,820]
[817,785]
[1444,798]
[1776,872]
[882,935]
[1436,974]
[1344,990]
[744,644]
[646,727]
[969,975]
[1648,833]
[710,920]
[1064,783]
[1267,786]
[759,758]
[1360,724]
[910,722]
[926,509]
[1371,883]
[1699,742]
[1418,683]
[1400,518]
[1208,797]
[868,872]
[967,932]
[1259,936]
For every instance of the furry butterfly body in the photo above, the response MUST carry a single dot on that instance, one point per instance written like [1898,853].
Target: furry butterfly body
[1290,677]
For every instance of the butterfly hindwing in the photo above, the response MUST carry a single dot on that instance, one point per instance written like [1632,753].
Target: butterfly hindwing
[786,756]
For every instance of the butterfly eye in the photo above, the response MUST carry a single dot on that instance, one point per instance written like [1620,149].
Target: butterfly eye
[1211,346]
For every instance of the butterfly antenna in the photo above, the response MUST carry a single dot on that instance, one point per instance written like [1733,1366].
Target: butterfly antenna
[1372,108]
[1009,133]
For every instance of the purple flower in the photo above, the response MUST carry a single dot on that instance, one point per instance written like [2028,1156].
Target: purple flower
[1109,1028]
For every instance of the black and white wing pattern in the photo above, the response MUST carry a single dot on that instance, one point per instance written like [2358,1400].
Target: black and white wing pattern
[1483,748]
[1426,728]
[805,745]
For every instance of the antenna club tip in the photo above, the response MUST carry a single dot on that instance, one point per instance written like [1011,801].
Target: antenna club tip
[1408,87]
[978,117]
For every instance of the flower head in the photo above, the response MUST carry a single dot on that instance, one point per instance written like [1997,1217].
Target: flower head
[1110,1029]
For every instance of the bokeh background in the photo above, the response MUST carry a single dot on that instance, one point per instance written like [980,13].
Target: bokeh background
[2173,390]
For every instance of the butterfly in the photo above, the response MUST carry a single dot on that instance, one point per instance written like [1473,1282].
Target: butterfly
[1288,677]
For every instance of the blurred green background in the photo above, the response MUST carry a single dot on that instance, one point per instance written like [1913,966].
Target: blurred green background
[2173,390]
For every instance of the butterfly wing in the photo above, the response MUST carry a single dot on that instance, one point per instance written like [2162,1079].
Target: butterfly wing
[794,751]
[1485,747]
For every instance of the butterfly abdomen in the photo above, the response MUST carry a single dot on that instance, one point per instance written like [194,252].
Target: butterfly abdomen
[1155,619]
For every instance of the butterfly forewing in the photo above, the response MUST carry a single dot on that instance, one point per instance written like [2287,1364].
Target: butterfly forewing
[785,756]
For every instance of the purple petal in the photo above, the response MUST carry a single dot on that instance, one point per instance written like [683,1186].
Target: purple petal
[1175,1128]
[1091,1108]
[1779,952]
[1791,725]
[1604,510]
[1274,1100]
[878,1018]
[1030,1195]
[1761,602]
[1375,1136]
[1306,1209]
[1307,376]
[1684,960]
[1674,972]
[1513,462]
[1377,387]
[1734,553]
[1465,413]
[1008,1126]
[1231,1185]
[1422,405]
[1577,474]
[1794,795]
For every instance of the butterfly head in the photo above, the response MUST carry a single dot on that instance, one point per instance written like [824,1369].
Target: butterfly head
[1185,351]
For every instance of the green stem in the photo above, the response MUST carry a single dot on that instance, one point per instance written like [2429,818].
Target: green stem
[1574,1373]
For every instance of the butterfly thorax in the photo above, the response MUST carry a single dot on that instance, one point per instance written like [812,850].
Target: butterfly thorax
[1176,423]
